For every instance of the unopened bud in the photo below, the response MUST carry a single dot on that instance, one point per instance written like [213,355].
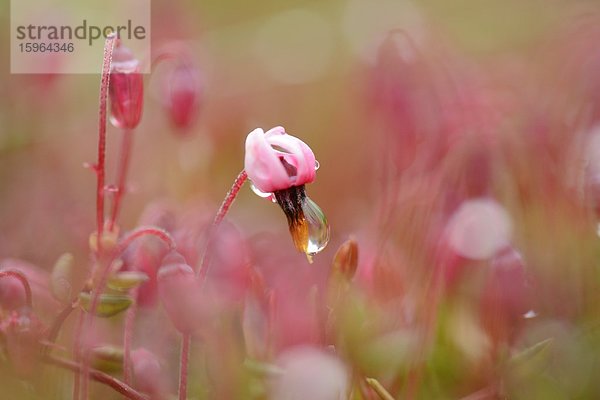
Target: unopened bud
[345,260]
[126,89]
[182,95]
[146,372]
[60,278]
[178,291]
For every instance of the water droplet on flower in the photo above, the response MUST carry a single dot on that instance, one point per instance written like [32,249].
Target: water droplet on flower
[318,227]
[262,194]
[317,165]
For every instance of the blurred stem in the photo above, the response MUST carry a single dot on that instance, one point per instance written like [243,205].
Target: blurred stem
[98,376]
[100,165]
[52,332]
[431,300]
[105,262]
[123,168]
[135,234]
[128,336]
[23,280]
[186,339]
[379,389]
[77,354]
[225,206]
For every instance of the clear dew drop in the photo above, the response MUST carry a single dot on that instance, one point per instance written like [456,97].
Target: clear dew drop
[318,227]
[317,165]
[262,194]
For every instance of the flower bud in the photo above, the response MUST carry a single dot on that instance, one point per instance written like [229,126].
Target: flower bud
[146,372]
[345,260]
[179,292]
[506,296]
[12,293]
[182,96]
[126,89]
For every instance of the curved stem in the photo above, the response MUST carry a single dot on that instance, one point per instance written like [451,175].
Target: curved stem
[123,168]
[230,197]
[24,282]
[52,332]
[98,376]
[100,167]
[146,231]
[186,338]
[225,206]
[101,284]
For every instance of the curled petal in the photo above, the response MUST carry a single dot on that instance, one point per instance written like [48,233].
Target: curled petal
[262,164]
[277,161]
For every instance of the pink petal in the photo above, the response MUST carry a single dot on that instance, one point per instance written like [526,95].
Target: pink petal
[262,164]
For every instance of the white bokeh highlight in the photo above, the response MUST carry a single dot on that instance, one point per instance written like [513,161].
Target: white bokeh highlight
[310,373]
[479,228]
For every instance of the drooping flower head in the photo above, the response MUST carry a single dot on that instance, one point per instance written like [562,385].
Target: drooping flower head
[279,165]
[277,161]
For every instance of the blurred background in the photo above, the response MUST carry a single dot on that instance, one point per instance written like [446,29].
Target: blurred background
[458,144]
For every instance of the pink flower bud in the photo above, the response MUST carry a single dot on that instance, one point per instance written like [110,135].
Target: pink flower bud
[179,292]
[277,161]
[506,297]
[182,96]
[229,272]
[12,293]
[43,301]
[126,89]
[146,372]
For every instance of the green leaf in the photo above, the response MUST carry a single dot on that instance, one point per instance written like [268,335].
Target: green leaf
[108,304]
[124,281]
[261,368]
[531,359]
[60,278]
[107,358]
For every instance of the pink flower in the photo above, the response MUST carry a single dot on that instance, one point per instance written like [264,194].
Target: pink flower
[277,161]
[279,165]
